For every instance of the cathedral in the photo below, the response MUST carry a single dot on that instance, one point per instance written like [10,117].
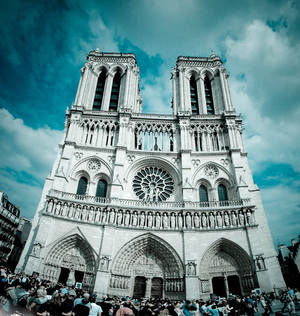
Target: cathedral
[148,204]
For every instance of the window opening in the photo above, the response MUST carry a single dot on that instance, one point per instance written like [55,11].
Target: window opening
[208,96]
[99,92]
[115,90]
[82,186]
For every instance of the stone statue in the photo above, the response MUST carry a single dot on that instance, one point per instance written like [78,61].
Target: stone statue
[165,221]
[150,220]
[226,219]
[188,220]
[196,220]
[142,219]
[134,219]
[50,206]
[233,219]
[112,216]
[180,221]
[119,217]
[204,220]
[157,220]
[36,250]
[127,218]
[241,218]
[219,220]
[211,220]
[173,220]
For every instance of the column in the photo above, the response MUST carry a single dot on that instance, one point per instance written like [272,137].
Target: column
[107,91]
[181,106]
[174,91]
[203,109]
[226,285]
[81,86]
[148,287]
[126,90]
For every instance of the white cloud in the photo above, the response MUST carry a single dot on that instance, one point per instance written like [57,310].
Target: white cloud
[25,149]
[27,156]
[282,208]
[268,97]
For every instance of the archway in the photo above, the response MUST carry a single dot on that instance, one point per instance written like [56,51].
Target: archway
[225,269]
[151,262]
[71,260]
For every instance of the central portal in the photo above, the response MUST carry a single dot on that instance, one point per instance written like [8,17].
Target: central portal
[147,266]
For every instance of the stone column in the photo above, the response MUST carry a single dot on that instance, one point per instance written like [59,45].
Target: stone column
[148,287]
[226,285]
[107,91]
[203,109]
[181,88]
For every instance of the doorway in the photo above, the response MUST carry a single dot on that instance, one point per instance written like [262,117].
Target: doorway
[219,286]
[157,288]
[64,275]
[139,287]
[234,285]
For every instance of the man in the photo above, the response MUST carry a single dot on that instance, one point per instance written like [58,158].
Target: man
[82,305]
[95,310]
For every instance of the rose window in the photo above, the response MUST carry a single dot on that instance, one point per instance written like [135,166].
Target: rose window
[153,184]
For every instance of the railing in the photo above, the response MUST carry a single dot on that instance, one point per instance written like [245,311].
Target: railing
[143,204]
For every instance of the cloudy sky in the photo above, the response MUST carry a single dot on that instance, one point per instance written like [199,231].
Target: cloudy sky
[44,44]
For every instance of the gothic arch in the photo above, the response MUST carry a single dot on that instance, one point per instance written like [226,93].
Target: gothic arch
[207,72]
[237,256]
[72,252]
[148,244]
[98,68]
[226,175]
[191,72]
[79,165]
[117,67]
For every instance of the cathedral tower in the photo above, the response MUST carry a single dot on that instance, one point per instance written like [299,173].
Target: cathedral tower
[152,205]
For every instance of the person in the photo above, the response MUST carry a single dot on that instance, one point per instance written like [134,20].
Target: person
[95,310]
[125,310]
[82,305]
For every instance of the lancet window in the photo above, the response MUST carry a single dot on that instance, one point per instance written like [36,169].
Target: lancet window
[82,186]
[115,91]
[101,188]
[222,192]
[99,91]
[194,96]
[203,195]
[208,96]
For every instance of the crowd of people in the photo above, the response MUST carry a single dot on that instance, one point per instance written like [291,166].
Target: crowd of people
[28,295]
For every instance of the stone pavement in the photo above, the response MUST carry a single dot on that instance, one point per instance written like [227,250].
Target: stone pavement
[276,307]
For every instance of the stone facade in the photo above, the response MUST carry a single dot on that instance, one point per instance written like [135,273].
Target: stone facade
[146,204]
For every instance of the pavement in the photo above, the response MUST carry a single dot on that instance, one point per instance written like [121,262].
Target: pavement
[276,307]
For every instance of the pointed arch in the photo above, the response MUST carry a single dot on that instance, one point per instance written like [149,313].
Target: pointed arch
[148,244]
[99,93]
[238,256]
[115,91]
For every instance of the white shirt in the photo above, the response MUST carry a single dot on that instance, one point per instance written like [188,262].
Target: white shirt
[95,309]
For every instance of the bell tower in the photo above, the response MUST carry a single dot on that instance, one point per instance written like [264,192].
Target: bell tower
[109,82]
[200,86]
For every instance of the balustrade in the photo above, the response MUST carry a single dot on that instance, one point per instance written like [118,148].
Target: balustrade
[179,219]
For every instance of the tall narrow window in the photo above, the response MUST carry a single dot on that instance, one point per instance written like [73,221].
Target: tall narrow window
[208,96]
[222,192]
[115,90]
[99,92]
[101,188]
[203,193]
[82,186]
[194,98]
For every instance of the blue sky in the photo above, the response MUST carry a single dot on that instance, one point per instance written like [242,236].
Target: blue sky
[44,44]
